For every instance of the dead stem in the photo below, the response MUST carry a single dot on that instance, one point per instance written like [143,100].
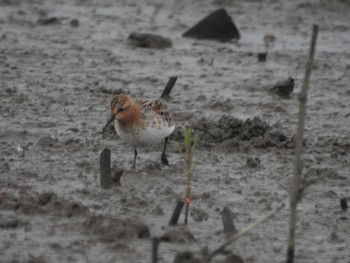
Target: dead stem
[295,194]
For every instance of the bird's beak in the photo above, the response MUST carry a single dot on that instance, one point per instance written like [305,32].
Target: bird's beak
[110,120]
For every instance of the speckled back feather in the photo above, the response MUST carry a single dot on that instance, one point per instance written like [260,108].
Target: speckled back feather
[155,109]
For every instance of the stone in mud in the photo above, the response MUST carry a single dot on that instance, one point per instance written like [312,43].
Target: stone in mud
[74,23]
[186,257]
[47,142]
[283,88]
[146,40]
[262,56]
[216,26]
[253,162]
[44,198]
[116,174]
[142,231]
[45,21]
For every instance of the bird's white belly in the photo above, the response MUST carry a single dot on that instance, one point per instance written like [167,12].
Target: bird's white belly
[138,136]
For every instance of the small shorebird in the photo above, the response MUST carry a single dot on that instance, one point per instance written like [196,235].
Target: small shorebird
[141,122]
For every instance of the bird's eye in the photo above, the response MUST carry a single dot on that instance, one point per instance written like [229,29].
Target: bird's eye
[120,110]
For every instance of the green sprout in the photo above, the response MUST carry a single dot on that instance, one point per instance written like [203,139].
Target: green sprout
[190,142]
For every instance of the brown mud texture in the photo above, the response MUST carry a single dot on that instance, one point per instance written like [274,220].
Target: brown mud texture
[60,61]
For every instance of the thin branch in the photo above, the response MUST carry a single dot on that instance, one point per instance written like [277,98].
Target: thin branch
[169,86]
[295,193]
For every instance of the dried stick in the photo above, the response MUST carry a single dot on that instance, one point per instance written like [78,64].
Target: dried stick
[168,87]
[294,196]
[176,213]
[105,169]
[155,245]
[241,233]
[227,221]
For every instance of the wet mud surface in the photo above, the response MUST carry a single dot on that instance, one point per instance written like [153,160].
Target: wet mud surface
[60,61]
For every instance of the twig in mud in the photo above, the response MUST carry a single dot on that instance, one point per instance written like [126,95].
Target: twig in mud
[155,245]
[344,204]
[295,194]
[243,232]
[176,213]
[105,169]
[227,221]
[168,87]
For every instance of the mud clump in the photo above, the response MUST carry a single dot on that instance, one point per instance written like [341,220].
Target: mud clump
[8,223]
[216,132]
[43,204]
[232,132]
[186,257]
[146,40]
[110,229]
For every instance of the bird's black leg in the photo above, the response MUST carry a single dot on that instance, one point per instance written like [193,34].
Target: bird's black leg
[133,165]
[163,157]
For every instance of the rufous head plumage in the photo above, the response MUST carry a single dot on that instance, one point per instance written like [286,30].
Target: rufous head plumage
[123,109]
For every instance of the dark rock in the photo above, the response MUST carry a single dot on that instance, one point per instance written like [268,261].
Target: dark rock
[45,21]
[262,56]
[253,162]
[283,88]
[116,174]
[45,198]
[217,26]
[74,23]
[344,204]
[149,40]
[185,257]
[142,231]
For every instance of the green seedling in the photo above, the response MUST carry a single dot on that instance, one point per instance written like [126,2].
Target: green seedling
[190,142]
